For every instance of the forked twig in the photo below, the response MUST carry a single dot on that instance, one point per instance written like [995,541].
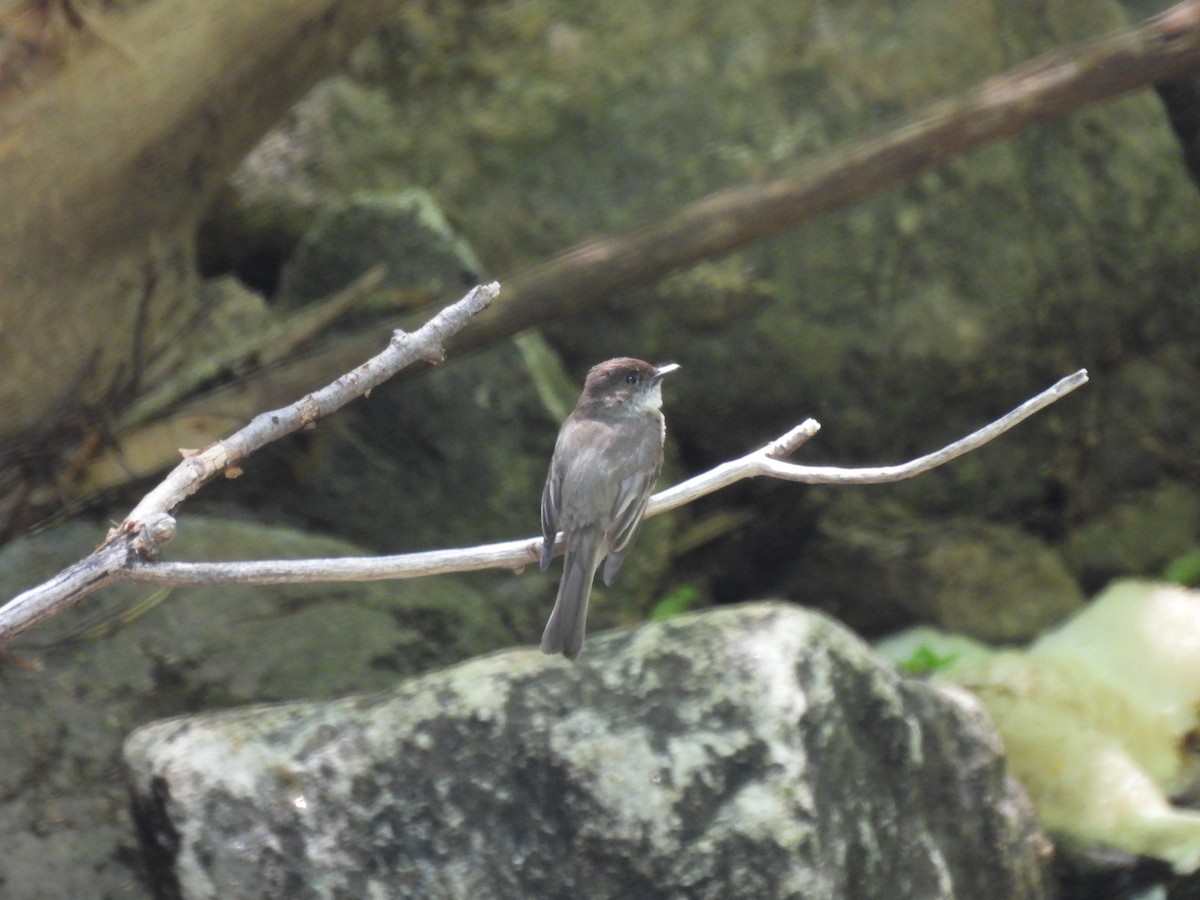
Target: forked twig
[150,525]
[766,461]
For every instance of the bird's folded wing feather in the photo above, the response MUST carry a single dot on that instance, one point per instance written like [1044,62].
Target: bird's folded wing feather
[551,503]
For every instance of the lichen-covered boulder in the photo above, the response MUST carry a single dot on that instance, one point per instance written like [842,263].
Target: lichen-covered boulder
[759,751]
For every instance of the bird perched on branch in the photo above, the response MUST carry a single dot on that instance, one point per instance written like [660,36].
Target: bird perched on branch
[606,460]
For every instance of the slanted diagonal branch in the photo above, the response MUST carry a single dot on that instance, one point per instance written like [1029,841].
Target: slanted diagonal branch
[150,525]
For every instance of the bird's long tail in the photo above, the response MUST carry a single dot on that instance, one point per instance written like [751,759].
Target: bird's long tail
[565,629]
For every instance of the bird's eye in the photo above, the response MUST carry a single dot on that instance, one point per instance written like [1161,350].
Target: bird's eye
[631,378]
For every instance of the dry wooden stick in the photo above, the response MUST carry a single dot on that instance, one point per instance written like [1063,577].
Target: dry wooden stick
[766,461]
[276,341]
[150,525]
[1045,88]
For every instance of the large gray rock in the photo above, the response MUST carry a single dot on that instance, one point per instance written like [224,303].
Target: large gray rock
[990,580]
[758,751]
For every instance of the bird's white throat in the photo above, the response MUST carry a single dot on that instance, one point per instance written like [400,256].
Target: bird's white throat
[649,399]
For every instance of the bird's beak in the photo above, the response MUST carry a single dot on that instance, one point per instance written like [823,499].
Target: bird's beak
[665,370]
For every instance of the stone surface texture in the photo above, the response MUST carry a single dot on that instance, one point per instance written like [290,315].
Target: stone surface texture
[758,751]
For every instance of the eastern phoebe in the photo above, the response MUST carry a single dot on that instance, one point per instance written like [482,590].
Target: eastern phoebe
[606,460]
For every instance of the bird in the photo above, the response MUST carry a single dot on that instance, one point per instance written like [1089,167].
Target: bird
[606,460]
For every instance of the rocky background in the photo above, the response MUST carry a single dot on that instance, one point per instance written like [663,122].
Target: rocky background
[456,144]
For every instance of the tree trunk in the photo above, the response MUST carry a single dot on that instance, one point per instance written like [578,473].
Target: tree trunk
[115,130]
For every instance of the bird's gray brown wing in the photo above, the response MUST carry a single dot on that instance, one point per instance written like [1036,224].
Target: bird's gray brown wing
[632,498]
[551,506]
[628,509]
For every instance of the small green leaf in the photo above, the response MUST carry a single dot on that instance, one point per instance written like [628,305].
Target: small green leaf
[1184,569]
[925,660]
[675,603]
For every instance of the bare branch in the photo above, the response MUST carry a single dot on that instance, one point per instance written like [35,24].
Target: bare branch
[766,461]
[516,554]
[265,345]
[150,526]
[404,350]
[1045,88]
